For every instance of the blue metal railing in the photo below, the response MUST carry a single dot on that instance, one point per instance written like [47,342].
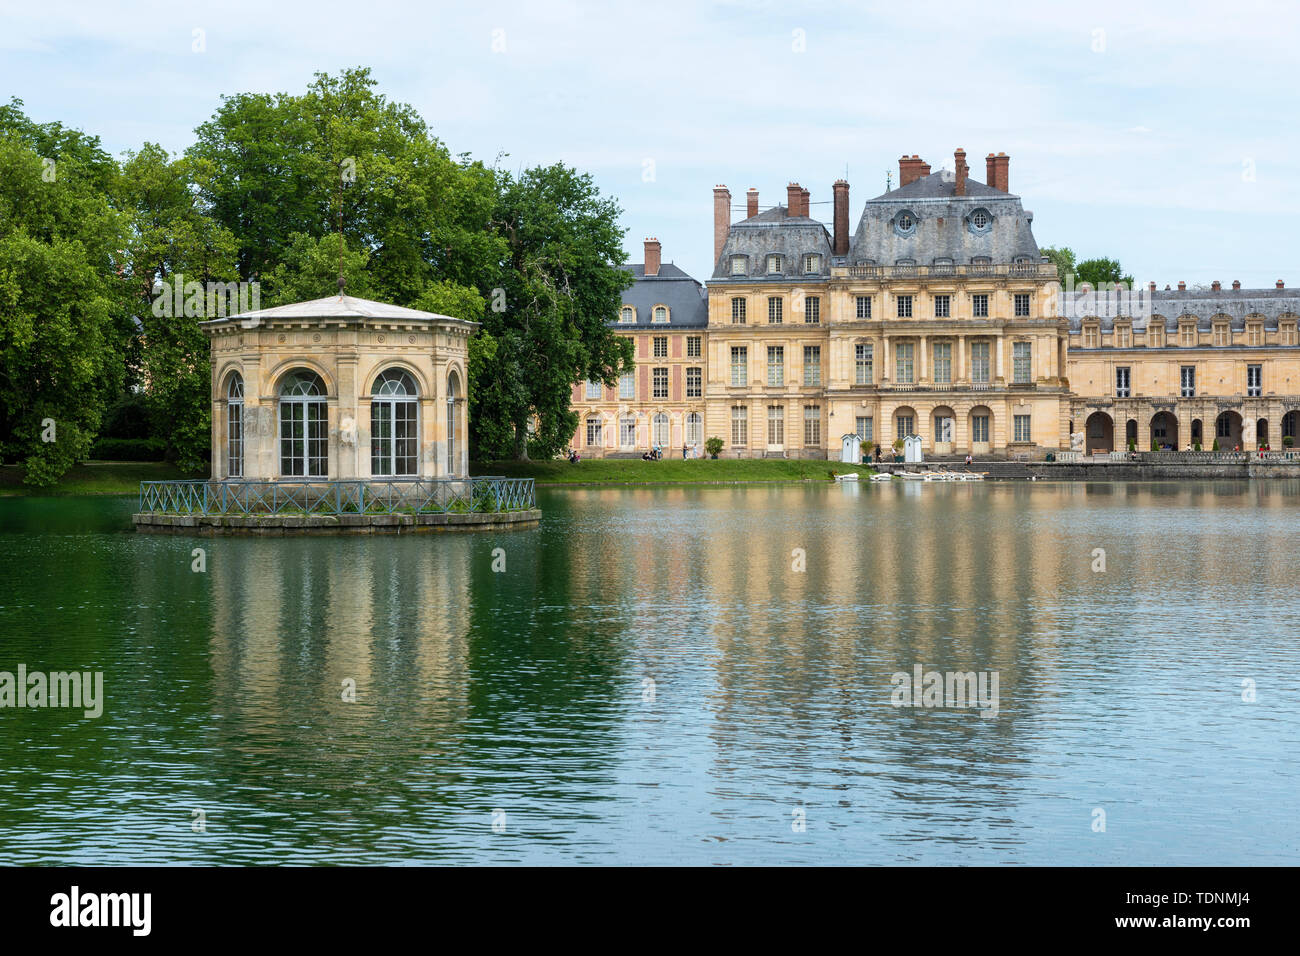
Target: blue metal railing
[381,496]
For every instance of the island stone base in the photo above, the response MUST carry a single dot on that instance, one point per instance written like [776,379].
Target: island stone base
[278,525]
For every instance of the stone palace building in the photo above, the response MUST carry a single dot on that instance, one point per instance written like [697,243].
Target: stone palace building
[936,316]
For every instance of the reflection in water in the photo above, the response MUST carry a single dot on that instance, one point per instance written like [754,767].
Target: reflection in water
[664,675]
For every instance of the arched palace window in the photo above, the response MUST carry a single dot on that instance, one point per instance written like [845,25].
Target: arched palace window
[235,426]
[454,438]
[394,425]
[304,427]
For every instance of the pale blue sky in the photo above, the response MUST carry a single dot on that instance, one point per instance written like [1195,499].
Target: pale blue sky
[1159,133]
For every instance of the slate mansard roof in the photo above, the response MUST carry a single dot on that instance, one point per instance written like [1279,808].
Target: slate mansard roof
[688,305]
[1273,305]
[773,232]
[944,225]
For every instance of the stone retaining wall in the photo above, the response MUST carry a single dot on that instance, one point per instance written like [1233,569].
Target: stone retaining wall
[334,524]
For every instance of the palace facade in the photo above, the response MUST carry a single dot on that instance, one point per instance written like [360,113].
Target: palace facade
[936,316]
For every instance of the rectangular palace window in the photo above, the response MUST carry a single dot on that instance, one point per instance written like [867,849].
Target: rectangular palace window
[941,306]
[739,365]
[904,306]
[980,304]
[1020,363]
[661,383]
[775,365]
[694,382]
[862,370]
[864,429]
[1022,428]
[942,363]
[864,307]
[774,309]
[812,365]
[903,363]
[979,362]
[812,426]
[739,425]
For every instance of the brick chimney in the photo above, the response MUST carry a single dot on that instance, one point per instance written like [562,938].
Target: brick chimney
[721,219]
[1214,286]
[841,217]
[1236,284]
[961,169]
[996,169]
[1182,287]
[1151,287]
[751,202]
[1281,284]
[910,169]
[652,250]
[793,193]
[804,202]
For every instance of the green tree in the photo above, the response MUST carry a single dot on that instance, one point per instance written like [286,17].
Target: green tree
[64,315]
[1099,272]
[171,237]
[550,319]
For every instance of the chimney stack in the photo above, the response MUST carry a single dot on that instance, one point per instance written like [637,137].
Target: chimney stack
[1281,284]
[1151,287]
[997,170]
[804,203]
[721,219]
[793,192]
[751,200]
[652,250]
[961,169]
[1236,284]
[841,218]
[1182,286]
[910,169]
[1214,286]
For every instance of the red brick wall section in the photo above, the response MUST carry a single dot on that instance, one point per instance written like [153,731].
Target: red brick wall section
[721,219]
[841,217]
[677,383]
[751,203]
[652,256]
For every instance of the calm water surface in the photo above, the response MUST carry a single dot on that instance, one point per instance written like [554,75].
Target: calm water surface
[528,691]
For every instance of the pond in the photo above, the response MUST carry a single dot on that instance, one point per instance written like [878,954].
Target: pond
[671,675]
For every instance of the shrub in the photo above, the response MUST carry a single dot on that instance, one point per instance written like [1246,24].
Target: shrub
[1215,446]
[128,449]
[1287,441]
[713,446]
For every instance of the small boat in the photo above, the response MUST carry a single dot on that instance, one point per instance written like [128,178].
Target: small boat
[852,477]
[912,476]
[882,476]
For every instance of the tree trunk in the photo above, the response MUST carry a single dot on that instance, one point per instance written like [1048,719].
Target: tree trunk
[521,441]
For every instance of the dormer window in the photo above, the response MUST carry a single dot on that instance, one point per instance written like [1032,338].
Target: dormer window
[905,224]
[980,220]
[739,265]
[627,315]
[773,265]
[660,314]
[812,263]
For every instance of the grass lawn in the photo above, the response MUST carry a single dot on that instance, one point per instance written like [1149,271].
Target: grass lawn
[625,471]
[93,478]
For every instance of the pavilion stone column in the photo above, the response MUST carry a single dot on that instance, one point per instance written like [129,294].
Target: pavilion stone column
[922,365]
[259,420]
[959,373]
[345,433]
[429,466]
[885,358]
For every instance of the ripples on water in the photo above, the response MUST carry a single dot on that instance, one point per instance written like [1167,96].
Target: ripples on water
[526,691]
